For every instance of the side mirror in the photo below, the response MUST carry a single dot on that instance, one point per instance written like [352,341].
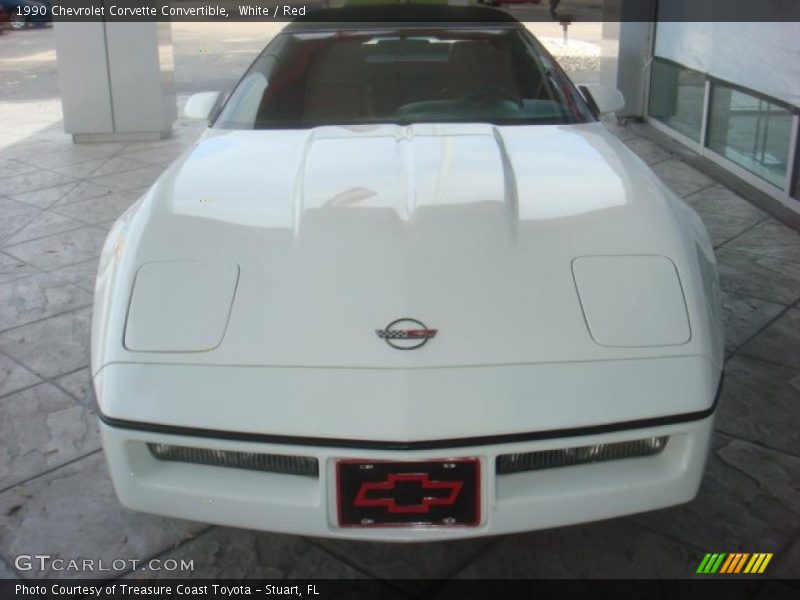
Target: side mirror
[200,106]
[604,98]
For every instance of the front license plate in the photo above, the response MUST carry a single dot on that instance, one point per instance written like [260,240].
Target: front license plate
[436,493]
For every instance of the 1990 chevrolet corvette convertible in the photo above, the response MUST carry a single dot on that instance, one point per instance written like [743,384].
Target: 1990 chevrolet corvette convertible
[406,286]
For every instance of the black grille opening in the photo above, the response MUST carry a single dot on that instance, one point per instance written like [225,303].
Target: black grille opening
[581,455]
[272,463]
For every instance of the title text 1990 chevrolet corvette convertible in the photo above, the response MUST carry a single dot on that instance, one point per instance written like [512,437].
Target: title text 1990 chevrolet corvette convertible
[406,287]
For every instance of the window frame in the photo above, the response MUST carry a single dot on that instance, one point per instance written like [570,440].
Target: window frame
[528,39]
[785,195]
[703,111]
[715,83]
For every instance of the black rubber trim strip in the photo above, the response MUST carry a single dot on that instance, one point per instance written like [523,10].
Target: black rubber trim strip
[509,438]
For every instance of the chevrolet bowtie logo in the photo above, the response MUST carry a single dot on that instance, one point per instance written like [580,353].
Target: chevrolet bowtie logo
[429,493]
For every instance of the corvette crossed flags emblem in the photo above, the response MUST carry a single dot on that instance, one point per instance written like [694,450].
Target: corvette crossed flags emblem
[406,334]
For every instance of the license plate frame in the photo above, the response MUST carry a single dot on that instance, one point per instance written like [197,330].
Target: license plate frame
[413,493]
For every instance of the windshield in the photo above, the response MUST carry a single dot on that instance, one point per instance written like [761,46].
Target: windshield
[436,75]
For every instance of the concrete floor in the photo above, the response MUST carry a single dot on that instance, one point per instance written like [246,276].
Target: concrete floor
[57,201]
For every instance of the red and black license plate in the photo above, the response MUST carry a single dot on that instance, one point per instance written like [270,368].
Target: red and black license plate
[440,493]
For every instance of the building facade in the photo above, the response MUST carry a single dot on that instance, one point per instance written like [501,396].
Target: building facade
[727,89]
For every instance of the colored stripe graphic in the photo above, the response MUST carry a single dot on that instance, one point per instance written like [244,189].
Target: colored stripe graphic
[734,563]
[764,564]
[703,563]
[741,562]
[727,564]
[754,563]
[758,563]
[711,562]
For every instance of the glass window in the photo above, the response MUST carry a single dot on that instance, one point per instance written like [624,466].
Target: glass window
[676,98]
[750,131]
[430,74]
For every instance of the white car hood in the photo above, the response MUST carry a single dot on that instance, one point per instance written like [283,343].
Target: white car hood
[471,229]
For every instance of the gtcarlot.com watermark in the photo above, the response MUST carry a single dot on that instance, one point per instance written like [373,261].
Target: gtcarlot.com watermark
[48,562]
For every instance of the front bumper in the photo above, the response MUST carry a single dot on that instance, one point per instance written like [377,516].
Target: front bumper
[307,505]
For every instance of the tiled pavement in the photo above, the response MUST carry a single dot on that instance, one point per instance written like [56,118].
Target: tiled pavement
[57,201]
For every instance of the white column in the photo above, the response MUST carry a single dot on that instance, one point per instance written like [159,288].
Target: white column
[627,37]
[116,80]
[635,41]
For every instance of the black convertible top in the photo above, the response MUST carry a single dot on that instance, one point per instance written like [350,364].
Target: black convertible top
[401,14]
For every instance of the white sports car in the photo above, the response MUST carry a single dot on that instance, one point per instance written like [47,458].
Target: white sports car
[406,286]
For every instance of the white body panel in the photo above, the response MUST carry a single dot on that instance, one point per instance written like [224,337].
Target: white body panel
[406,405]
[338,231]
[201,293]
[306,506]
[621,294]
[475,230]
